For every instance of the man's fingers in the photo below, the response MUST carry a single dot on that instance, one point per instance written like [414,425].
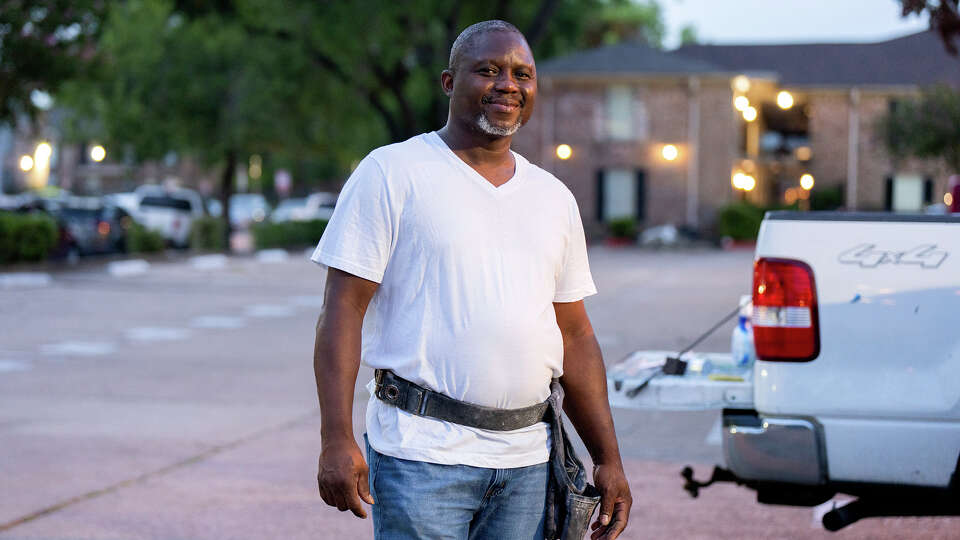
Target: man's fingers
[619,523]
[606,509]
[353,502]
[363,486]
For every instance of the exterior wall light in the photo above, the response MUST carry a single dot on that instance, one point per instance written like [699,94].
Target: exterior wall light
[948,199]
[740,103]
[741,83]
[750,114]
[98,153]
[806,181]
[26,163]
[744,182]
[669,152]
[564,151]
[784,100]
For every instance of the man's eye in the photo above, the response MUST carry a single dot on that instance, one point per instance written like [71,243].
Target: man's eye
[488,70]
[523,75]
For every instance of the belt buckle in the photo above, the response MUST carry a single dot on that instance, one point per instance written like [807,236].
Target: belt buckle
[388,392]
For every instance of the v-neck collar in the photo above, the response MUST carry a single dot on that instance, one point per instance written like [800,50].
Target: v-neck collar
[509,186]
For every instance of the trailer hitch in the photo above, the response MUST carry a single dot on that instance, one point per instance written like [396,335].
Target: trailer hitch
[719,475]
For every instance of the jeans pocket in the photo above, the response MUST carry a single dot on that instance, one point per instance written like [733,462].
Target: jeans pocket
[579,511]
[373,463]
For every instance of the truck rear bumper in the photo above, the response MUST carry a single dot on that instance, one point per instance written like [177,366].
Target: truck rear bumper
[779,449]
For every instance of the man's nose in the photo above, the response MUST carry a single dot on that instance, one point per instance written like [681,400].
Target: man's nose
[506,82]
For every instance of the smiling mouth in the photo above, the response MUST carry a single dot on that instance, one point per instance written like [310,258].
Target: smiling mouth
[501,105]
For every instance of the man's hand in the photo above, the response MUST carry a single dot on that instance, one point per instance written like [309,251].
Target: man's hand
[342,477]
[615,502]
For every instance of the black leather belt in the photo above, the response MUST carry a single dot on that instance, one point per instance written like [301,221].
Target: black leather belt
[420,401]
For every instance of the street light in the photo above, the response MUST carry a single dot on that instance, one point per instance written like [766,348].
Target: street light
[806,181]
[26,163]
[98,153]
[750,114]
[41,156]
[669,152]
[564,151]
[740,103]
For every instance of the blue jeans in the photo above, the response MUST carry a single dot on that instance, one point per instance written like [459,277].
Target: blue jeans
[418,500]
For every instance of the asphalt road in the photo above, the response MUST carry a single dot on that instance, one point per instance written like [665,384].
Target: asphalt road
[177,402]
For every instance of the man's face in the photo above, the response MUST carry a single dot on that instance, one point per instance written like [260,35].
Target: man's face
[495,84]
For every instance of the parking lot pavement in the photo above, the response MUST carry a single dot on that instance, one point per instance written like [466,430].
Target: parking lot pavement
[178,403]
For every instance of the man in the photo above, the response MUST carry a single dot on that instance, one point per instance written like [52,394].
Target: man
[470,266]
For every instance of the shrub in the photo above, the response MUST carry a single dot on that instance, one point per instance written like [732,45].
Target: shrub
[26,237]
[625,227]
[740,220]
[828,198]
[207,234]
[288,233]
[143,240]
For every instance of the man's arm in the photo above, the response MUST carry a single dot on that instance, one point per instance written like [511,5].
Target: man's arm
[342,474]
[584,384]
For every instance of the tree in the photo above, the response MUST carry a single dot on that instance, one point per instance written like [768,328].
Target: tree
[199,86]
[222,79]
[944,18]
[42,44]
[390,54]
[688,35]
[925,127]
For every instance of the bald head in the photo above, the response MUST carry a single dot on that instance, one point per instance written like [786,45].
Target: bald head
[467,38]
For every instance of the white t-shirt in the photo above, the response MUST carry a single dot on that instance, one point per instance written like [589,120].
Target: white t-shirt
[468,275]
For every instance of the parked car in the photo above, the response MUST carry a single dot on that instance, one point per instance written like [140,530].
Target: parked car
[169,211]
[289,210]
[318,205]
[248,208]
[95,226]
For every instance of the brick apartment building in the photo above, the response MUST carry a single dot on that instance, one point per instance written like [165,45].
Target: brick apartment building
[663,136]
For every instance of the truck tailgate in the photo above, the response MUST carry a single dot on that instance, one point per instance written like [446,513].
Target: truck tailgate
[710,382]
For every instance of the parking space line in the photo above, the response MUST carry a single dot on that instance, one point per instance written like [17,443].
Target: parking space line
[217,321]
[269,311]
[713,438]
[156,333]
[78,348]
[130,267]
[8,366]
[25,280]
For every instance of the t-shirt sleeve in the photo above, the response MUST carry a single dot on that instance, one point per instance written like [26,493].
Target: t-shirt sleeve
[574,281]
[360,235]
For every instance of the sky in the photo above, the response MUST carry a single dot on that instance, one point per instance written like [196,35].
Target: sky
[788,21]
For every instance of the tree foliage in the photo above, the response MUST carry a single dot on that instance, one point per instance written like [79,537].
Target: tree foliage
[944,18]
[216,78]
[42,44]
[925,127]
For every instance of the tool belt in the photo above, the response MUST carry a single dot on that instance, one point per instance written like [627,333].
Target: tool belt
[571,501]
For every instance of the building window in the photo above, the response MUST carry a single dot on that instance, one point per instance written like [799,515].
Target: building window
[619,113]
[908,193]
[620,194]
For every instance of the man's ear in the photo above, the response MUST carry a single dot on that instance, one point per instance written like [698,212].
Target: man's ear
[446,82]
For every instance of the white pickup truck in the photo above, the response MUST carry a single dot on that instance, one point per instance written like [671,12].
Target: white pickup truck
[856,389]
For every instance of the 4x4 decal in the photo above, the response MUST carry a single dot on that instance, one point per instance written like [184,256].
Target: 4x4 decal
[926,255]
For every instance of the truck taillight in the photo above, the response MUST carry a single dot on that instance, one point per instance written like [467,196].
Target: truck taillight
[785,326]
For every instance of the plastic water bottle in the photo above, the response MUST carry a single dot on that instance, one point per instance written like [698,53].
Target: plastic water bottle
[741,342]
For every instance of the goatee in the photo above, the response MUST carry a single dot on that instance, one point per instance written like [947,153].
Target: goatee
[485,126]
